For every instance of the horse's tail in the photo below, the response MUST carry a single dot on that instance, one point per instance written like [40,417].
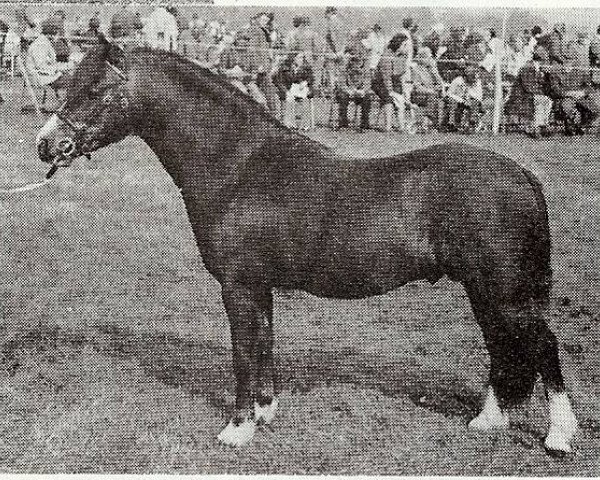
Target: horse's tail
[536,264]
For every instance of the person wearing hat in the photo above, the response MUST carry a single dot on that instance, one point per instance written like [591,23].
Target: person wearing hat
[335,44]
[529,99]
[259,58]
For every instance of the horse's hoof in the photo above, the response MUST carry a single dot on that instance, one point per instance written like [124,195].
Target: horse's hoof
[266,413]
[484,422]
[237,435]
[558,443]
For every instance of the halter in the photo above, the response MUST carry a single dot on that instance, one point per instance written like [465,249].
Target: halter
[124,79]
[69,142]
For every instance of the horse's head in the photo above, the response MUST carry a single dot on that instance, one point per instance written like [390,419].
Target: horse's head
[96,112]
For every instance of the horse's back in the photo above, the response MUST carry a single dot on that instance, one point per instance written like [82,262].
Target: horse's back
[347,227]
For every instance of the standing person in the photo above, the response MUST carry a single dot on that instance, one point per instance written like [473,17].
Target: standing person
[436,40]
[161,30]
[41,58]
[578,53]
[594,56]
[529,97]
[303,39]
[259,59]
[60,42]
[388,79]
[335,44]
[355,82]
[375,44]
[428,88]
[554,44]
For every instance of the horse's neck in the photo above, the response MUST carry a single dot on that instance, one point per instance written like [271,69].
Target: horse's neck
[203,159]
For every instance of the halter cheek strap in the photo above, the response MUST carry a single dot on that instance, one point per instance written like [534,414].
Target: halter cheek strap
[123,101]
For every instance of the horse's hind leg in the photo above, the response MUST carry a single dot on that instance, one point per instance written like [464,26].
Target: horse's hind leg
[521,346]
[248,310]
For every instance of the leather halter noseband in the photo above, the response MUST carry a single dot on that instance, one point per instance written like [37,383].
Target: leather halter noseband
[69,144]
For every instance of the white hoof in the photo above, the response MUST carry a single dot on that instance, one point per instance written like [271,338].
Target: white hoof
[236,436]
[491,417]
[267,412]
[558,441]
[484,422]
[563,424]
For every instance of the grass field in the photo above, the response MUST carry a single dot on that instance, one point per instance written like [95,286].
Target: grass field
[115,352]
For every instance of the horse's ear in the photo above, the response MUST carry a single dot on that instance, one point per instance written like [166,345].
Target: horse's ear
[103,41]
[111,52]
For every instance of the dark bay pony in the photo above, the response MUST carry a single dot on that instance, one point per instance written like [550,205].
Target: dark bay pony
[271,208]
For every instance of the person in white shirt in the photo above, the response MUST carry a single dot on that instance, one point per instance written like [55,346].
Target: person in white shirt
[463,102]
[375,43]
[161,30]
[41,59]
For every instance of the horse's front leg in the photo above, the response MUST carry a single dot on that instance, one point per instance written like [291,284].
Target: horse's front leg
[250,312]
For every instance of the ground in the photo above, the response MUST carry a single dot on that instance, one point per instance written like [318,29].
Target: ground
[115,351]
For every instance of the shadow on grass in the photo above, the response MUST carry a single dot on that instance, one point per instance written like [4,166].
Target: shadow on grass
[204,367]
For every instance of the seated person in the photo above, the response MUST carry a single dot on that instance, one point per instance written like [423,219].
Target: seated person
[354,82]
[388,78]
[294,80]
[428,88]
[41,59]
[463,102]
[567,86]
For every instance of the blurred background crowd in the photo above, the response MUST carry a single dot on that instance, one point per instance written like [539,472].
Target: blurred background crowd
[406,77]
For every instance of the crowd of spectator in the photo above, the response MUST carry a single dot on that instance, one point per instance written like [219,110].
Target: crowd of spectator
[418,80]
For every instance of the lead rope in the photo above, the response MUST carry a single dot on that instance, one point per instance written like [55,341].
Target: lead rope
[32,186]
[25,188]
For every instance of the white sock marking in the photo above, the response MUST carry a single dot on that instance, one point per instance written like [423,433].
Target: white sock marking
[491,416]
[266,413]
[236,436]
[563,423]
[50,126]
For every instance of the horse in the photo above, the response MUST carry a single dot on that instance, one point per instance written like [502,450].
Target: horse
[271,208]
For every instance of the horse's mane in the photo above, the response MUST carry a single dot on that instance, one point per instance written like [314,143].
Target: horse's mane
[190,75]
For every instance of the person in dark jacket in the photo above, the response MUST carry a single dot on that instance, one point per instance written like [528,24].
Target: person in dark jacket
[354,82]
[554,43]
[594,54]
[388,78]
[568,85]
[529,99]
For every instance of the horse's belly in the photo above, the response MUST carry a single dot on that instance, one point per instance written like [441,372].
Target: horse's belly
[381,255]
